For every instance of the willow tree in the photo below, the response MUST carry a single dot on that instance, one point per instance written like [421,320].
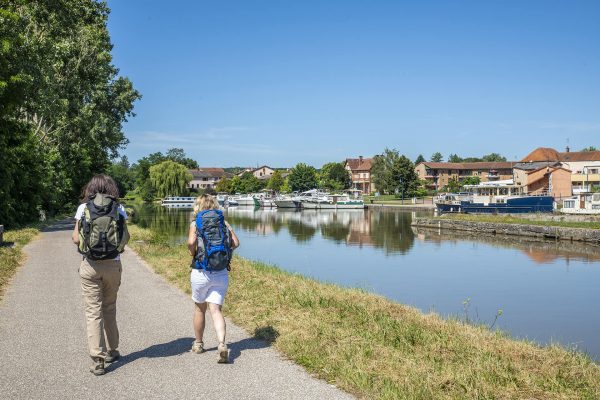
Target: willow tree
[170,179]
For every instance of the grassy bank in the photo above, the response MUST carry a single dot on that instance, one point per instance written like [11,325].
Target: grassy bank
[533,220]
[12,256]
[375,348]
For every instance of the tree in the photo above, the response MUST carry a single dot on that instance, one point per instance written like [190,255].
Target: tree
[170,178]
[224,186]
[493,157]
[250,183]
[453,158]
[334,176]
[394,173]
[471,180]
[122,175]
[178,155]
[589,148]
[420,159]
[62,102]
[302,177]
[453,186]
[275,181]
[437,157]
[285,188]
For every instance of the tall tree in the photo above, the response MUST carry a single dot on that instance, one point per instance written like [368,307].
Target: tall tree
[334,176]
[453,158]
[65,101]
[394,173]
[178,155]
[493,157]
[302,177]
[437,157]
[170,179]
[420,159]
[275,181]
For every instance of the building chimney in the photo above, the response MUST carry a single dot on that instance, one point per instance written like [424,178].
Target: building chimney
[568,149]
[360,158]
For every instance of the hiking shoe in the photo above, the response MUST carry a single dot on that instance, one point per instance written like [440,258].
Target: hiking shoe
[223,353]
[112,356]
[97,367]
[197,347]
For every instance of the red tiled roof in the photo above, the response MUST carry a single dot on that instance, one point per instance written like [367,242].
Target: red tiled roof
[356,164]
[580,156]
[207,173]
[548,154]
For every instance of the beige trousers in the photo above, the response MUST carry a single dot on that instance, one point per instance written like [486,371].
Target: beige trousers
[100,281]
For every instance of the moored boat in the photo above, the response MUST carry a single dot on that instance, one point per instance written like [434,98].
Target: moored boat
[178,201]
[501,197]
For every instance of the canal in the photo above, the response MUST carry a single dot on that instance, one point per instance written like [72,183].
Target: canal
[546,291]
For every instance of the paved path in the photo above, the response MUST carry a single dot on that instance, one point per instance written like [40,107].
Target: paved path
[43,345]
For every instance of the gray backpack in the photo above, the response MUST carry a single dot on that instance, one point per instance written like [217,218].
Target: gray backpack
[102,230]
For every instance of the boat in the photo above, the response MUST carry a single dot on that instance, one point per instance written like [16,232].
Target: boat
[582,203]
[178,201]
[295,199]
[225,201]
[500,197]
[334,202]
[264,202]
[244,199]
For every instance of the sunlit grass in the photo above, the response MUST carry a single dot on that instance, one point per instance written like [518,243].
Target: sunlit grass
[11,255]
[378,349]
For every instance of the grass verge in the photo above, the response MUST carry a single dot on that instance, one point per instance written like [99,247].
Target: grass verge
[378,349]
[12,256]
[533,220]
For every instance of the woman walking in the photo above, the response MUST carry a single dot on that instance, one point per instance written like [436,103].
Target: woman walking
[101,234]
[211,242]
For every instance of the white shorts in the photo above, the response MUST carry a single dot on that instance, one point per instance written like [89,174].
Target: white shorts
[209,286]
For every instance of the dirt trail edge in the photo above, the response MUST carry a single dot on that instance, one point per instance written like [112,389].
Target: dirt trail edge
[44,351]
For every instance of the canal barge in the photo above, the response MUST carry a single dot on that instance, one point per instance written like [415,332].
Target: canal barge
[502,197]
[178,202]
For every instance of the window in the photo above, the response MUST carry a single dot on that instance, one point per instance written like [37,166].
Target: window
[569,204]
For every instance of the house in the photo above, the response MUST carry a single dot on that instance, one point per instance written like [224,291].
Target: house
[438,174]
[262,173]
[543,177]
[206,178]
[584,166]
[360,173]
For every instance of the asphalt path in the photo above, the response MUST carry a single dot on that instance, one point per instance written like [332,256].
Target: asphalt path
[43,346]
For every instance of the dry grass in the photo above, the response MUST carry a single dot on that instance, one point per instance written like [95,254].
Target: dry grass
[378,349]
[12,256]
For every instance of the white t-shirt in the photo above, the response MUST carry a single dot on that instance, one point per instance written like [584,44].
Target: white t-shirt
[79,214]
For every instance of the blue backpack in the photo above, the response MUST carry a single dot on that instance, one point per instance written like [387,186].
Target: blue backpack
[213,242]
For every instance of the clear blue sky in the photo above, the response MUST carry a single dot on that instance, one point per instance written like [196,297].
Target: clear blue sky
[280,82]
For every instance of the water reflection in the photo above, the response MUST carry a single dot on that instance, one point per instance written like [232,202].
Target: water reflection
[537,250]
[384,229]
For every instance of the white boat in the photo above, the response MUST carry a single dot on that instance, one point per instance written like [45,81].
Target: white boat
[244,199]
[295,199]
[226,201]
[582,203]
[334,202]
[178,201]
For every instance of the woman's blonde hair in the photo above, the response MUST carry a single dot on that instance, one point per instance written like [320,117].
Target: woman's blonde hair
[205,202]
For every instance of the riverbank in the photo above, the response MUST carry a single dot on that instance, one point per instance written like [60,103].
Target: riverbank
[532,226]
[375,348]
